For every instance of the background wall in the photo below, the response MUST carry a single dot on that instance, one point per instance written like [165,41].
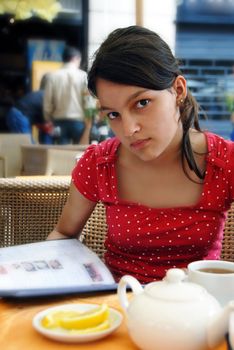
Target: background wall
[107,15]
[159,16]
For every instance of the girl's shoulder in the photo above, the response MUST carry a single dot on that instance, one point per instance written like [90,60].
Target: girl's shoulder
[219,146]
[218,151]
[102,152]
[208,142]
[220,154]
[108,147]
[93,169]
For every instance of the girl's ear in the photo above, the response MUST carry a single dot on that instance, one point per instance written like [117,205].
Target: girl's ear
[180,87]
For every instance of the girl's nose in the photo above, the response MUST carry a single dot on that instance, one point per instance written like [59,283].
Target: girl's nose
[130,125]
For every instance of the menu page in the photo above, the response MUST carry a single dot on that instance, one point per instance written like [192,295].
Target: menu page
[51,267]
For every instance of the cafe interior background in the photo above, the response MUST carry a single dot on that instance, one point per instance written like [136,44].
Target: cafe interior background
[33,34]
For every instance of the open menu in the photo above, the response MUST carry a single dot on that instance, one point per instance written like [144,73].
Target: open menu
[50,268]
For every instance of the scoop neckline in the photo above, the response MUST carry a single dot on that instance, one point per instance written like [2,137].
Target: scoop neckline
[196,206]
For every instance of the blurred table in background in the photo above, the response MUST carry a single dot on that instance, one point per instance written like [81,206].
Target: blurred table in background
[50,159]
[10,153]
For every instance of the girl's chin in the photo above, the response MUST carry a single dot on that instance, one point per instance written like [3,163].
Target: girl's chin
[149,155]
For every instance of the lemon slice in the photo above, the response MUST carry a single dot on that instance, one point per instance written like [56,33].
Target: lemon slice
[101,327]
[52,319]
[88,319]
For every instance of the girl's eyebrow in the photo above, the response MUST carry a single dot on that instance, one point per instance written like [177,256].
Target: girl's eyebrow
[103,108]
[131,97]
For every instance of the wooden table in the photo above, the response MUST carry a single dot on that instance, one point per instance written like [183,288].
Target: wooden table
[16,331]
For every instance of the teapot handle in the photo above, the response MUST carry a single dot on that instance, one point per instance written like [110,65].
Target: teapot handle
[122,293]
[231,330]
[220,325]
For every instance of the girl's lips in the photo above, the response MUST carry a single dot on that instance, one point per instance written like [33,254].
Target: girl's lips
[139,144]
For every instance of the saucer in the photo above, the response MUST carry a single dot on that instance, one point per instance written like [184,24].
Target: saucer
[115,318]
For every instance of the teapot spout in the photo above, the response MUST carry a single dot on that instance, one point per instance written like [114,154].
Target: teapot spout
[220,325]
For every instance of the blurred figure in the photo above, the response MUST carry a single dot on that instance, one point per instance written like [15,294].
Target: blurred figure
[28,111]
[6,102]
[65,99]
[229,97]
[232,121]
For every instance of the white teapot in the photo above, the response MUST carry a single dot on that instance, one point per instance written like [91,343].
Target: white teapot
[175,314]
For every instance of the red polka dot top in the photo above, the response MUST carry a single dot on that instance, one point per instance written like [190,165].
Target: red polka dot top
[145,242]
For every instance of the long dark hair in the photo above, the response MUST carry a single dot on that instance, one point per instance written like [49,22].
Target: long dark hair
[137,56]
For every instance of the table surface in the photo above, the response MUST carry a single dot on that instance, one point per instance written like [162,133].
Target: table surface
[16,331]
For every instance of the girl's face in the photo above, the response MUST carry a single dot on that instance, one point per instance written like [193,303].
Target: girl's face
[145,121]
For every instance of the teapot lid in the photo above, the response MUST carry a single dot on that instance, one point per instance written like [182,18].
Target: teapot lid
[174,287]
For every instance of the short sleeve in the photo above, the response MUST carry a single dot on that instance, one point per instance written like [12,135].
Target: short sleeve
[84,175]
[231,171]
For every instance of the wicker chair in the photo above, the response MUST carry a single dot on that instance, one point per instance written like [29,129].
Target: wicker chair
[228,239]
[29,209]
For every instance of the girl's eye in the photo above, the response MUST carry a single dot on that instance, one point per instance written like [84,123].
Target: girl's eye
[112,115]
[142,103]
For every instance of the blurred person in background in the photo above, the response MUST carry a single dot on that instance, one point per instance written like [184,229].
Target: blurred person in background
[6,102]
[28,111]
[67,101]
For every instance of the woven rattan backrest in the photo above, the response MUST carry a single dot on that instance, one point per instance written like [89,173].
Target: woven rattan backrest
[29,210]
[228,239]
[95,230]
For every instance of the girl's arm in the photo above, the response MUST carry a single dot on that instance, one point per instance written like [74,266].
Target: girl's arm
[75,213]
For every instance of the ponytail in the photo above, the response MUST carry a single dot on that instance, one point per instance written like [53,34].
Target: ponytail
[189,118]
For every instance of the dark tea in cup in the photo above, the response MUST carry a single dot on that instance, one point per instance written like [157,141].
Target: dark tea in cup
[215,270]
[216,276]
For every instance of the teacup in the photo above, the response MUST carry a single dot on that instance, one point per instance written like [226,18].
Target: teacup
[216,276]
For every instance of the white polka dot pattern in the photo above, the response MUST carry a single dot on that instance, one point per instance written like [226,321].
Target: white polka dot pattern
[145,242]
